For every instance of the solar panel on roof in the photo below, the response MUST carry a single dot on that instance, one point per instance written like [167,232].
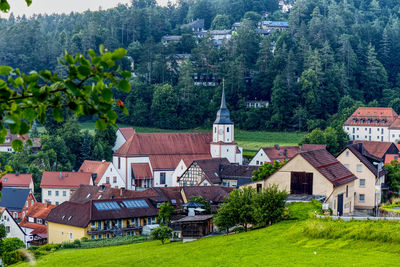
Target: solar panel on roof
[133,204]
[107,206]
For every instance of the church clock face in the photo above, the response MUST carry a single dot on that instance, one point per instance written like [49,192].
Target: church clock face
[220,131]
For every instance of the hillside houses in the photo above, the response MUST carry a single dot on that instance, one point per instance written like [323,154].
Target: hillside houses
[17,180]
[17,201]
[103,173]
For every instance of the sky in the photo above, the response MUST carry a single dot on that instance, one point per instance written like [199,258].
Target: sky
[19,8]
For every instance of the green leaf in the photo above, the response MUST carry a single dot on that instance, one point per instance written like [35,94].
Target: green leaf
[3,134]
[118,54]
[107,94]
[5,70]
[28,2]
[70,60]
[101,124]
[24,128]
[126,74]
[19,81]
[125,86]
[84,70]
[57,114]
[17,145]
[8,168]
[125,110]
[29,114]
[4,6]
[101,48]
[112,115]
[91,53]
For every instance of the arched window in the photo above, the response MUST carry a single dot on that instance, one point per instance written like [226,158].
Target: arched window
[227,129]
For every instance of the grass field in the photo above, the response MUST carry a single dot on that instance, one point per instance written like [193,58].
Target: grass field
[282,244]
[251,141]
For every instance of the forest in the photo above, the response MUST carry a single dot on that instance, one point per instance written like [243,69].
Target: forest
[336,55]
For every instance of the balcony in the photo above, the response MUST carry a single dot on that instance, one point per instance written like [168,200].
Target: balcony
[130,227]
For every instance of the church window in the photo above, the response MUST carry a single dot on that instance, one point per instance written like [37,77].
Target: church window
[215,129]
[227,129]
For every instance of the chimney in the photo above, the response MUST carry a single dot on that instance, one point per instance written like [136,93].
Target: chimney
[285,152]
[277,147]
[17,173]
[103,161]
[60,175]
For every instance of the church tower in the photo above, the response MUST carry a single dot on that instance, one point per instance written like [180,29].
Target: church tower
[223,145]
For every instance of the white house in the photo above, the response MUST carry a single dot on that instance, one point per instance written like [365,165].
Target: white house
[103,173]
[12,227]
[57,187]
[373,124]
[123,134]
[159,159]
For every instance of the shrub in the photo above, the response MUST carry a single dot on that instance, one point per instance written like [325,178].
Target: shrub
[238,229]
[77,243]
[11,257]
[49,247]
[11,244]
[162,233]
[68,245]
[84,239]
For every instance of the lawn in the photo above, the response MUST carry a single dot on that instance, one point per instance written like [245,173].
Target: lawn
[251,141]
[282,244]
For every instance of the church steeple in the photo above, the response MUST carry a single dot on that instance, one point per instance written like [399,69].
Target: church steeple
[223,115]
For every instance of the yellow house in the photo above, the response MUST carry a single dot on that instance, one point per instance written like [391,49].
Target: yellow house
[317,173]
[368,185]
[99,219]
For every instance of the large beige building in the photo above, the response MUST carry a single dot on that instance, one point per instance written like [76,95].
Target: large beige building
[315,173]
[368,187]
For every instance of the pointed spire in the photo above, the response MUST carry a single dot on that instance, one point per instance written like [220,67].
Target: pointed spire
[223,116]
[223,102]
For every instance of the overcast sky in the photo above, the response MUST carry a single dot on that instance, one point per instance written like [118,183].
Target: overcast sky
[18,7]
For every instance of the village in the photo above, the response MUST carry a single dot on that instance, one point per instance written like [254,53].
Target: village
[104,200]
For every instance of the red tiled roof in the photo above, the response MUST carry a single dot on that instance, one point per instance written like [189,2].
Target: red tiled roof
[146,144]
[169,162]
[68,180]
[376,148]
[40,210]
[329,166]
[16,180]
[127,132]
[309,147]
[372,116]
[141,171]
[92,166]
[281,153]
[391,157]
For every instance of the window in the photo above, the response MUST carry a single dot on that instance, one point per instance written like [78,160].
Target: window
[57,203]
[64,193]
[93,223]
[361,197]
[119,163]
[115,179]
[56,193]
[15,215]
[7,229]
[62,233]
[354,130]
[347,153]
[49,193]
[359,168]
[70,236]
[257,162]
[32,202]
[362,182]
[39,221]
[162,178]
[227,129]
[347,191]
[215,129]
[107,180]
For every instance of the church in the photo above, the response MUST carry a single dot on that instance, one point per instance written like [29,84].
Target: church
[158,159]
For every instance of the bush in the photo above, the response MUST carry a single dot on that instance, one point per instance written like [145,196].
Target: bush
[77,243]
[84,239]
[238,229]
[49,247]
[11,244]
[12,257]
[162,233]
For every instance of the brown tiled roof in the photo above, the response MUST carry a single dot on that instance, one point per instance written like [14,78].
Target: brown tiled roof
[216,194]
[85,193]
[232,171]
[98,167]
[80,214]
[309,147]
[281,153]
[40,210]
[391,157]
[372,116]
[146,144]
[68,180]
[377,149]
[127,132]
[170,162]
[16,180]
[329,166]
[211,168]
[141,171]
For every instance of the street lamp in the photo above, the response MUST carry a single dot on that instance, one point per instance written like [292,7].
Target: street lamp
[379,166]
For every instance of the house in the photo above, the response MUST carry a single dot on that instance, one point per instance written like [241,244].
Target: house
[35,225]
[216,172]
[99,219]
[6,146]
[58,187]
[280,153]
[167,39]
[378,150]
[11,225]
[315,173]
[195,26]
[275,25]
[370,183]
[17,180]
[152,159]
[195,227]
[103,172]
[221,36]
[373,124]
[215,195]
[257,104]
[17,201]
[123,134]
